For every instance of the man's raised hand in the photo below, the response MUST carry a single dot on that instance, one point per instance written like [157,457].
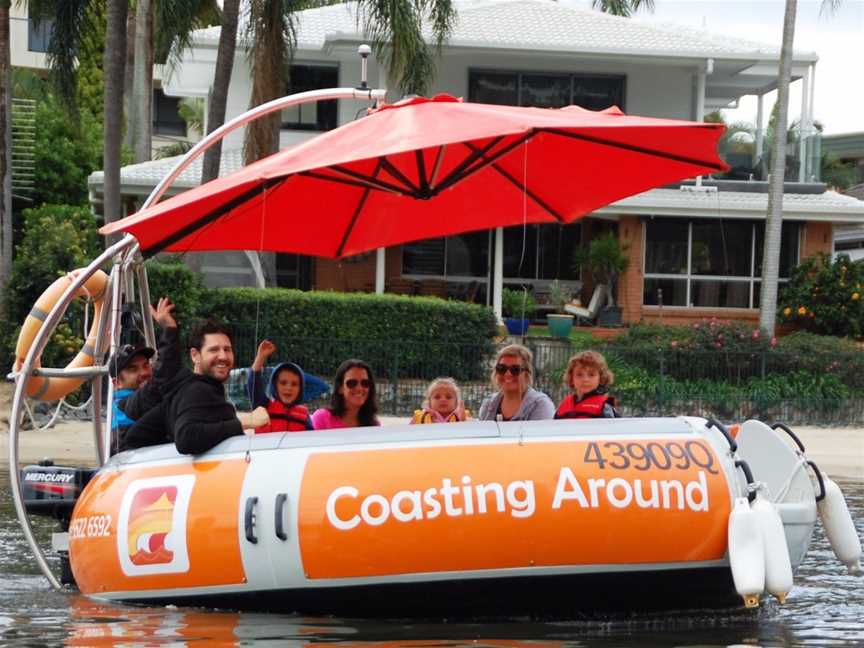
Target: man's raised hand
[163,313]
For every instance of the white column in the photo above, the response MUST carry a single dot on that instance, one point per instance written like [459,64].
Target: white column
[257,269]
[760,127]
[804,127]
[700,97]
[380,261]
[498,272]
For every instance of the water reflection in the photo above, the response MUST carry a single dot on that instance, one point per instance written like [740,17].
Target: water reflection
[824,609]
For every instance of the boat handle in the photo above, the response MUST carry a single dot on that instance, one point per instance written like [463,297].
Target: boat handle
[821,481]
[785,428]
[745,468]
[733,445]
[249,519]
[281,498]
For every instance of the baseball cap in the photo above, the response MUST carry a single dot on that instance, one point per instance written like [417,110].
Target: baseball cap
[124,355]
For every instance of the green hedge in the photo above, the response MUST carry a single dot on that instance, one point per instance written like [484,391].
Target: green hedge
[398,335]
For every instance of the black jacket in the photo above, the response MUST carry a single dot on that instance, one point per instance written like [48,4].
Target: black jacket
[165,370]
[194,415]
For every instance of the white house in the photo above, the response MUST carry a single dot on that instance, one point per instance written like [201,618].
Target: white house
[695,250]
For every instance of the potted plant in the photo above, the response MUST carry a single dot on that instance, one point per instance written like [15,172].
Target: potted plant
[606,259]
[517,306]
[560,322]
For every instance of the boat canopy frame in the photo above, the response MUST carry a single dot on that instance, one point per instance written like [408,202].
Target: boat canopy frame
[127,271]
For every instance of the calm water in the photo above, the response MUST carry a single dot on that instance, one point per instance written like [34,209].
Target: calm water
[826,608]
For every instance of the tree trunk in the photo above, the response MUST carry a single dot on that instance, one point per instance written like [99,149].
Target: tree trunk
[774,220]
[141,106]
[128,73]
[114,71]
[222,79]
[5,155]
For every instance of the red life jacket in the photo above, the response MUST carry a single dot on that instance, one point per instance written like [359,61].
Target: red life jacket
[286,419]
[589,407]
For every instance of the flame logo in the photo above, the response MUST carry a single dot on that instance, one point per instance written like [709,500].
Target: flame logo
[151,517]
[151,527]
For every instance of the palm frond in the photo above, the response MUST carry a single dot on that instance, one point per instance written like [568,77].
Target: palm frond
[624,8]
[70,22]
[175,20]
[829,7]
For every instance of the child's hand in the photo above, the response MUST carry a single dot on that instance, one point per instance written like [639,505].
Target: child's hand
[266,349]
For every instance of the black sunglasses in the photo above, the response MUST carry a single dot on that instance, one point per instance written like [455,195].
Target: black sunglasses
[514,370]
[351,383]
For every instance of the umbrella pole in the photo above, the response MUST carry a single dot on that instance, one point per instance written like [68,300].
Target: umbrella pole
[498,273]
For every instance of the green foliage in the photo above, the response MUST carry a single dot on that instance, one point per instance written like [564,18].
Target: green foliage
[169,277]
[66,153]
[559,295]
[423,336]
[708,335]
[519,304]
[56,239]
[605,258]
[825,296]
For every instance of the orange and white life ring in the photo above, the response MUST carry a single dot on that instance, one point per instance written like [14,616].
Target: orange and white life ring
[42,387]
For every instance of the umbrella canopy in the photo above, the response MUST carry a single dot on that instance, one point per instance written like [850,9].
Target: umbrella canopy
[425,168]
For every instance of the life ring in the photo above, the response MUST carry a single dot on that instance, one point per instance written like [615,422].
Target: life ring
[42,387]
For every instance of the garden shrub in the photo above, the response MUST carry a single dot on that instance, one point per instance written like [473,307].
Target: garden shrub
[825,296]
[168,276]
[421,337]
[55,240]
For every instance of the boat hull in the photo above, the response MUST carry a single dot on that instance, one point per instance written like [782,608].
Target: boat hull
[470,520]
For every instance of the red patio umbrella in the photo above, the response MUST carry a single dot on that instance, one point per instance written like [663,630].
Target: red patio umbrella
[425,168]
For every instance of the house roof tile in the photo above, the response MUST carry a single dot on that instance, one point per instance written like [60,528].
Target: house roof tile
[540,25]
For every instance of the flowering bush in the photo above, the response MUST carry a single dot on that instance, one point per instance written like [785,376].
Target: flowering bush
[825,296]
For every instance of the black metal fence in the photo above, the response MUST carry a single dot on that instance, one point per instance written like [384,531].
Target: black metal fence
[727,385]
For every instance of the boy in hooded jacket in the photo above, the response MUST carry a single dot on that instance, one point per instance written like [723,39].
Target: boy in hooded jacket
[284,400]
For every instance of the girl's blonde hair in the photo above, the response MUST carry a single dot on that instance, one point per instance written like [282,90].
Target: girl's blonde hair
[449,383]
[523,353]
[590,359]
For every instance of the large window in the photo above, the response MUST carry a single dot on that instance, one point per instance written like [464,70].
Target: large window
[546,90]
[709,263]
[530,252]
[316,116]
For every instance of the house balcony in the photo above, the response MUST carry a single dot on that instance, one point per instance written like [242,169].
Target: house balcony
[751,161]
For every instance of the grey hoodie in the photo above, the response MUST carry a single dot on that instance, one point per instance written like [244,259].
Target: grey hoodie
[536,406]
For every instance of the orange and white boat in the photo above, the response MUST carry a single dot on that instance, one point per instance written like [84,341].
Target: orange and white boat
[469,519]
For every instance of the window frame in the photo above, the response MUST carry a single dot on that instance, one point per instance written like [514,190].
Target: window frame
[557,73]
[316,127]
[690,277]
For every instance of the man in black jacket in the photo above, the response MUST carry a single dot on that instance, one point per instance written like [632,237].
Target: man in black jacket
[138,386]
[195,414]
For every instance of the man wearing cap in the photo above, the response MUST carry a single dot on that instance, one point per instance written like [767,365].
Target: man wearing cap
[138,386]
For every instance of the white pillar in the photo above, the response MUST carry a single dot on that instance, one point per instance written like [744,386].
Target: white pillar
[257,269]
[380,261]
[804,127]
[760,127]
[700,98]
[498,272]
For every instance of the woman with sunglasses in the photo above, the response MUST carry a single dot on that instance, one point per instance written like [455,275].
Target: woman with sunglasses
[353,403]
[515,400]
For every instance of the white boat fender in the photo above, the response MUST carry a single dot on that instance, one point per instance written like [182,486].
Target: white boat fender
[746,552]
[838,525]
[778,567]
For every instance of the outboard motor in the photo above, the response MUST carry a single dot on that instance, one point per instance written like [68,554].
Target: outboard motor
[52,491]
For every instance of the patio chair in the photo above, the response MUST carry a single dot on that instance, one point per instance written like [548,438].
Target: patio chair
[588,314]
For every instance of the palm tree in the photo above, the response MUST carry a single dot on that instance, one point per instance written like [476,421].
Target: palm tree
[395,28]
[221,80]
[115,70]
[774,218]
[622,7]
[162,32]
[5,153]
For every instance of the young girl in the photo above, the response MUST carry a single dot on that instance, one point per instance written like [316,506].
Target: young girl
[284,404]
[443,404]
[589,377]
